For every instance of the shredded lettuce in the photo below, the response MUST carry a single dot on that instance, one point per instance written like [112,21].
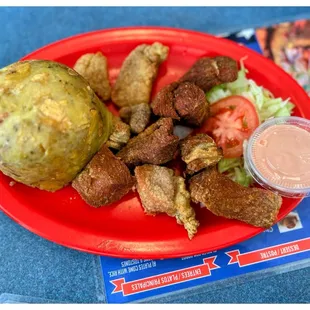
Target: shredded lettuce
[217,93]
[226,164]
[234,169]
[266,105]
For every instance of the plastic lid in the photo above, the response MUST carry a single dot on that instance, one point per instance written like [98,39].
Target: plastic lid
[277,155]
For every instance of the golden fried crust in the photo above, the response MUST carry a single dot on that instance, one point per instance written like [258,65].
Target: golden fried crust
[104,180]
[162,192]
[224,197]
[182,101]
[208,72]
[120,134]
[184,214]
[94,68]
[199,152]
[138,72]
[155,145]
[156,189]
[137,116]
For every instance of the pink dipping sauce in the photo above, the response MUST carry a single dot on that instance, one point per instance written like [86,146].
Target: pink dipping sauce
[278,156]
[282,155]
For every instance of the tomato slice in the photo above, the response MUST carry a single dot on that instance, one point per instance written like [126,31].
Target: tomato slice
[233,119]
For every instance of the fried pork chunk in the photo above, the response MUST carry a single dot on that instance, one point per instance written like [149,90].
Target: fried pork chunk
[94,68]
[184,101]
[104,180]
[199,152]
[155,145]
[120,134]
[191,104]
[138,72]
[208,72]
[163,192]
[137,116]
[224,197]
[163,103]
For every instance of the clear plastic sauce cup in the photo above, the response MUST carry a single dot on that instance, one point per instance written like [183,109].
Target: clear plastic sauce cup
[277,155]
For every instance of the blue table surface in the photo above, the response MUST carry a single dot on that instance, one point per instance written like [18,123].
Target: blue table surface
[35,267]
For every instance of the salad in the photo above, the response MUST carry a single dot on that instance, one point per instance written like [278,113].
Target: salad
[237,109]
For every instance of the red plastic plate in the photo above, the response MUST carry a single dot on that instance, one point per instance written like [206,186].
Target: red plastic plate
[122,229]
